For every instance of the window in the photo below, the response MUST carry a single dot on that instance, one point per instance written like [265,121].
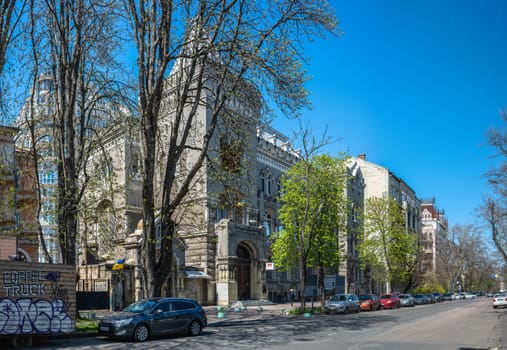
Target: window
[164,307]
[267,181]
[267,225]
[183,305]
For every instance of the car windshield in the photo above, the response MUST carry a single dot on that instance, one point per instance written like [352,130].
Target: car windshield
[340,297]
[141,306]
[403,296]
[365,297]
[385,296]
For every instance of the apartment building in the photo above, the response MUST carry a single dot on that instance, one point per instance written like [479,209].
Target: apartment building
[434,235]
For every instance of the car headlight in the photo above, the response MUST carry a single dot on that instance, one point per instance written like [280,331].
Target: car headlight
[122,323]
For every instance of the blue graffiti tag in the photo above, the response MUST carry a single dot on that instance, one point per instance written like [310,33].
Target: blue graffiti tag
[53,276]
[41,316]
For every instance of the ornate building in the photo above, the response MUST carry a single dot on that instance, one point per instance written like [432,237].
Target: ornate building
[433,236]
[18,201]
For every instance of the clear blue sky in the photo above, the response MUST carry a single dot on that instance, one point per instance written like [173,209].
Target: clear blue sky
[414,85]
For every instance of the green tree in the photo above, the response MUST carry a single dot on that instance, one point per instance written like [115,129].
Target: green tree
[386,249]
[313,213]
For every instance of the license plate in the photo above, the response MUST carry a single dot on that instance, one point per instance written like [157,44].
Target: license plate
[104,328]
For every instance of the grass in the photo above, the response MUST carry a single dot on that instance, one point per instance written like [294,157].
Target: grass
[298,311]
[86,325]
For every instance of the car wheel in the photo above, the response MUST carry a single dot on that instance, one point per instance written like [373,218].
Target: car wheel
[141,333]
[195,328]
[379,307]
[346,311]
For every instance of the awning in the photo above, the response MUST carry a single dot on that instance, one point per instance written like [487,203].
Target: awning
[196,274]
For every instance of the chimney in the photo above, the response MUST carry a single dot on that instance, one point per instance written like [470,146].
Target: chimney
[362,156]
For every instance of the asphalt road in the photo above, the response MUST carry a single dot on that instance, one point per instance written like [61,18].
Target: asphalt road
[456,325]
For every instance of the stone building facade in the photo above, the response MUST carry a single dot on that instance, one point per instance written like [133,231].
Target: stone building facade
[381,182]
[433,236]
[18,201]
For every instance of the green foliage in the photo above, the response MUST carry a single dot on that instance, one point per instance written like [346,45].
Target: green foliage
[312,213]
[86,325]
[386,247]
[299,311]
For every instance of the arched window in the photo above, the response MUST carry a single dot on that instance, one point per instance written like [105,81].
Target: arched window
[268,224]
[106,229]
[267,181]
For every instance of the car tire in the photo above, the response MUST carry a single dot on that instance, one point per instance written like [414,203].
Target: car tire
[141,333]
[346,311]
[195,328]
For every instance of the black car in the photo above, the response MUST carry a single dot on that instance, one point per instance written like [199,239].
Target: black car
[438,297]
[155,317]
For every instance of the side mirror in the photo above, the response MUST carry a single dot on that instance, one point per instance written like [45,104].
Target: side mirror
[158,311]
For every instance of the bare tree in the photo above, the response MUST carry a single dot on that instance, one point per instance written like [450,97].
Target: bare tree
[218,51]
[494,209]
[8,22]
[72,47]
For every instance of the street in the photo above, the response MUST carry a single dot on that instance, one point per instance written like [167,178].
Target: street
[456,325]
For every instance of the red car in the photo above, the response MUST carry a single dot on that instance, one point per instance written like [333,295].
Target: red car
[369,302]
[390,301]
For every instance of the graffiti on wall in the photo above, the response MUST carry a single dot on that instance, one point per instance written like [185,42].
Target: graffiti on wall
[35,302]
[25,315]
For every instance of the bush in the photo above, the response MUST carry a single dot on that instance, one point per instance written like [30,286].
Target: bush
[298,311]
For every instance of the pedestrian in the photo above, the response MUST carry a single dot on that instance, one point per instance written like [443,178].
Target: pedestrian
[292,296]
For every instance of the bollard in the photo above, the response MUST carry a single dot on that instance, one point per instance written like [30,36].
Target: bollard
[221,312]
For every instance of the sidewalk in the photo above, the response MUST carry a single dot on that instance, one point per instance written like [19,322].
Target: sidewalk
[256,311]
[242,310]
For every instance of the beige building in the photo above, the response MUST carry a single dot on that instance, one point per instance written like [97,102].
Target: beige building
[433,237]
[381,182]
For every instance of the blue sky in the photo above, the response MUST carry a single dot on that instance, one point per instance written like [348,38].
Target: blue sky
[414,85]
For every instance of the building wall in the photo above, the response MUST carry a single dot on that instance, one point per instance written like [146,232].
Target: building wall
[433,235]
[381,182]
[18,200]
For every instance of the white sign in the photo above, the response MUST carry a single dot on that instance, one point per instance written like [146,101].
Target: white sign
[270,266]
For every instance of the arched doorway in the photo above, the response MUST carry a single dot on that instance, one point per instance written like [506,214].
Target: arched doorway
[243,272]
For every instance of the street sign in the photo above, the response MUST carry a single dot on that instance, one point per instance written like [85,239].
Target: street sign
[270,266]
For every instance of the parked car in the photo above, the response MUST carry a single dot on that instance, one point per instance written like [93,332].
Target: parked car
[369,302]
[406,300]
[470,296]
[447,296]
[390,301]
[499,300]
[342,303]
[155,317]
[431,298]
[458,296]
[438,297]
[420,299]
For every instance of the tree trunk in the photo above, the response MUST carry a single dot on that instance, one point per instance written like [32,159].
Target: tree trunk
[321,285]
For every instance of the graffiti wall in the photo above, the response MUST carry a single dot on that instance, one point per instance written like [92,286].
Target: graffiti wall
[37,298]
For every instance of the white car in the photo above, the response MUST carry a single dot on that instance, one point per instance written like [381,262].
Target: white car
[499,300]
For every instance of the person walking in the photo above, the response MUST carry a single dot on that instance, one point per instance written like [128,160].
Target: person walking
[292,296]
